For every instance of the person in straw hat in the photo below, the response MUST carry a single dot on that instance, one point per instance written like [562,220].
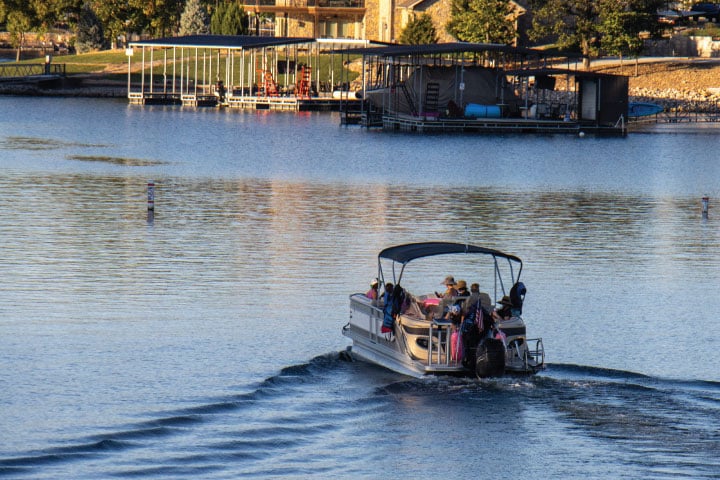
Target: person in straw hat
[503,311]
[450,290]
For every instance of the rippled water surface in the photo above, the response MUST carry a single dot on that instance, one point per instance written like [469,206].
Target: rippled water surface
[202,341]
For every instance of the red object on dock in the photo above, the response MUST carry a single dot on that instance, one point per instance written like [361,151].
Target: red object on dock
[303,85]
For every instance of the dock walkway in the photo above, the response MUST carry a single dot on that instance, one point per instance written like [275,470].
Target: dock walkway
[245,102]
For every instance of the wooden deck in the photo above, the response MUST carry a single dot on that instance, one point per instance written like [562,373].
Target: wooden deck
[246,102]
[407,123]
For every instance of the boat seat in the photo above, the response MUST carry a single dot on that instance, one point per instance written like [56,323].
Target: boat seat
[413,309]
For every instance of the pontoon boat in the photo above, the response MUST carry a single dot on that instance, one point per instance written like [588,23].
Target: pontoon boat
[421,334]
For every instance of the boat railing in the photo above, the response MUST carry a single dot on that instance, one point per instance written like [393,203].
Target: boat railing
[535,352]
[440,349]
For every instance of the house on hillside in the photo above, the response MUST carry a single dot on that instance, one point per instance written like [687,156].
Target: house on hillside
[440,12]
[375,20]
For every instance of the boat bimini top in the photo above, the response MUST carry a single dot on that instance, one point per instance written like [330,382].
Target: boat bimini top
[404,254]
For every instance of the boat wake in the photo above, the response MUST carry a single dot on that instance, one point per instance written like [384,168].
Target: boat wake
[270,429]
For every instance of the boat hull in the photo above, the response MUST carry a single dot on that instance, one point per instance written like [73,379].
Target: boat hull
[420,347]
[640,109]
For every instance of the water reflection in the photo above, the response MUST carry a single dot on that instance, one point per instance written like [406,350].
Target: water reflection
[84,231]
[127,162]
[248,202]
[245,266]
[36,143]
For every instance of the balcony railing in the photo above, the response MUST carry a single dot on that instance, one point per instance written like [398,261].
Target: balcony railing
[307,3]
[31,69]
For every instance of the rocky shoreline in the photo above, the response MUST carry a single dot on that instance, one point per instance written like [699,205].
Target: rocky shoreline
[686,84]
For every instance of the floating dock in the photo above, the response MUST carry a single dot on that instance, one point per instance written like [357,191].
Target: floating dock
[246,72]
[245,102]
[492,126]
[484,88]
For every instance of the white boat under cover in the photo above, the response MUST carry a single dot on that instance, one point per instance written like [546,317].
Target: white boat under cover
[420,339]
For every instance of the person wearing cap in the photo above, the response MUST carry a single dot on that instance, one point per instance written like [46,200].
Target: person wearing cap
[372,294]
[504,311]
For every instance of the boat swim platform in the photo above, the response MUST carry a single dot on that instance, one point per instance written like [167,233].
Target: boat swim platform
[295,104]
[407,123]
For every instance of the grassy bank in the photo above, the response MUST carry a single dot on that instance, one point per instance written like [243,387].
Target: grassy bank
[113,66]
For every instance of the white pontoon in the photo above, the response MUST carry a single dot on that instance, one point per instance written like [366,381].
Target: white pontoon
[419,338]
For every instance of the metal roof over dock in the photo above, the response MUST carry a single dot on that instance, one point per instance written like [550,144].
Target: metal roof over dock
[243,71]
[232,42]
[453,47]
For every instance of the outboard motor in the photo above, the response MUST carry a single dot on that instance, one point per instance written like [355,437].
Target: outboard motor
[490,358]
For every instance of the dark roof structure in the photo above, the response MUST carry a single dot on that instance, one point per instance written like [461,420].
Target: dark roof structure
[558,71]
[405,253]
[453,47]
[237,42]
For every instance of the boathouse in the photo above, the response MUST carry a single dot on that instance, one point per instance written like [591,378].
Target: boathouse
[278,73]
[490,88]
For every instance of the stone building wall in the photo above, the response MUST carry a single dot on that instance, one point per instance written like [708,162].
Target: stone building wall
[681,46]
[439,11]
[372,19]
[300,25]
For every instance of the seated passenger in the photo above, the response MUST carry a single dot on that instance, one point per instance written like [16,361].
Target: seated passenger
[394,305]
[504,311]
[450,290]
[454,315]
[373,294]
[462,290]
[383,299]
[387,306]
[400,300]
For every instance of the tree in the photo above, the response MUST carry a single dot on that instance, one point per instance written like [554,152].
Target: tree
[235,22]
[482,21]
[216,19]
[120,17]
[573,24]
[18,23]
[89,33]
[58,12]
[622,21]
[228,19]
[194,19]
[588,25]
[419,31]
[163,16]
[20,18]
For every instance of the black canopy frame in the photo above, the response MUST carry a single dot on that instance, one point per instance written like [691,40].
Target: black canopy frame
[404,254]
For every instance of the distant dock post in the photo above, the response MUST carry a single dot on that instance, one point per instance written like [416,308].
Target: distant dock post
[151,195]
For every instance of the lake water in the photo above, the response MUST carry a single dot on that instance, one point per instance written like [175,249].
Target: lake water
[203,341]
